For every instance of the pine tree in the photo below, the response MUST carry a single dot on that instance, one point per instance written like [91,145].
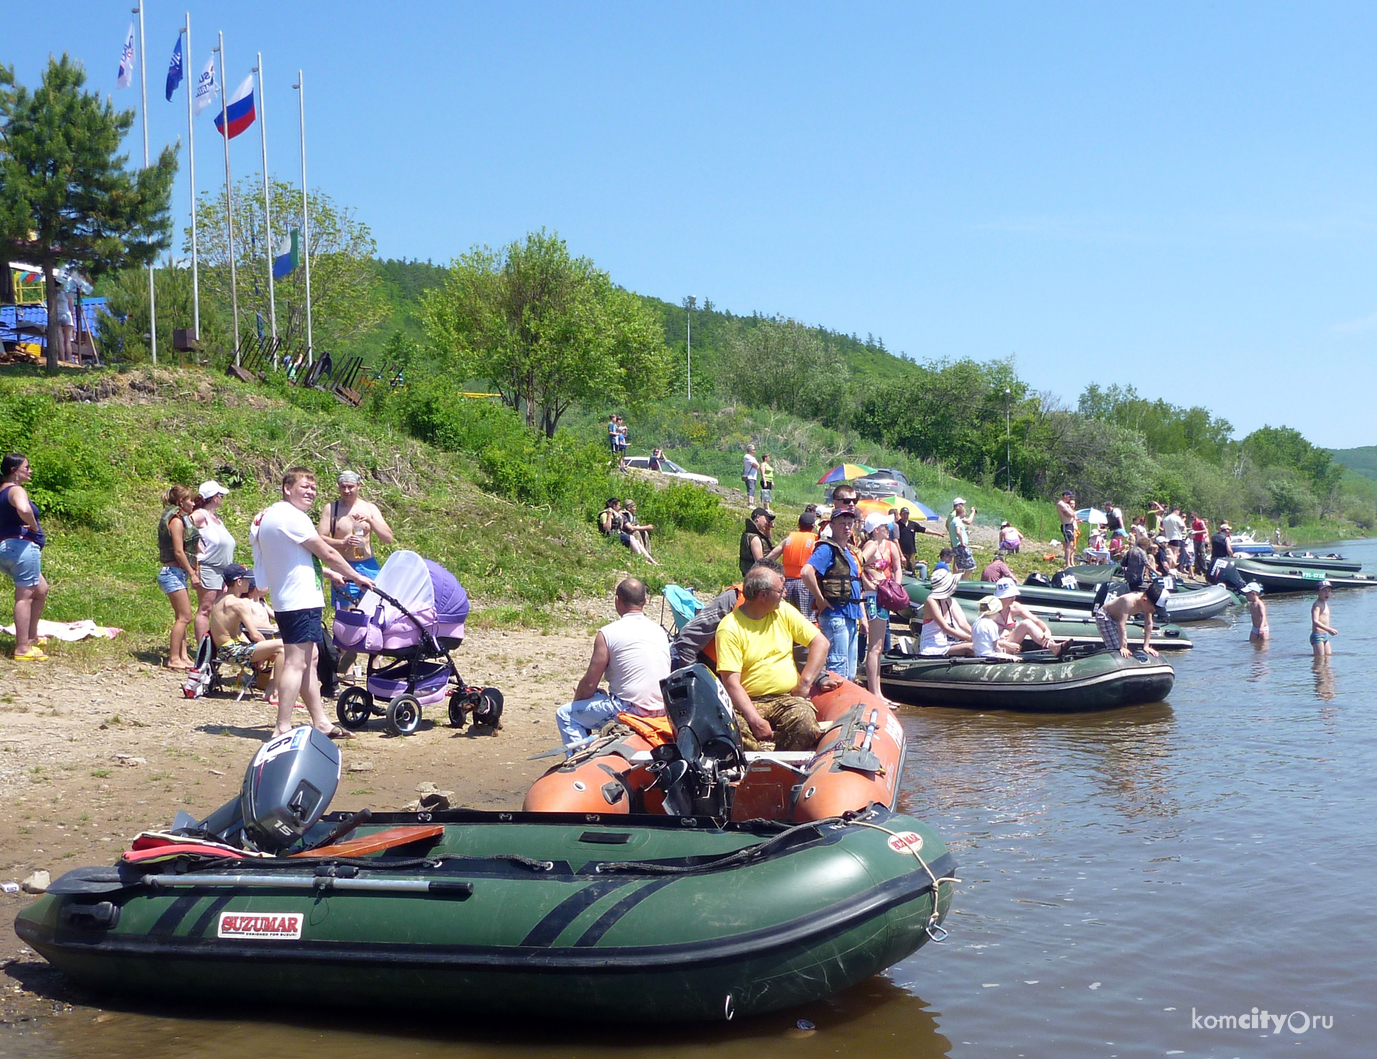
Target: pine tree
[65,194]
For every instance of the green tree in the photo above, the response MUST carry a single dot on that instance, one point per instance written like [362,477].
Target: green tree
[124,331]
[66,197]
[546,329]
[782,364]
[345,286]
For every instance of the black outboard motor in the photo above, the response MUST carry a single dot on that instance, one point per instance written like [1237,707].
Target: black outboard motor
[1226,573]
[287,788]
[696,771]
[1036,578]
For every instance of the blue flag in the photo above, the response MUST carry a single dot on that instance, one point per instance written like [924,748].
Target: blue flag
[174,69]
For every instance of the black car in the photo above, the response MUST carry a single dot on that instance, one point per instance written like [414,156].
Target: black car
[887,481]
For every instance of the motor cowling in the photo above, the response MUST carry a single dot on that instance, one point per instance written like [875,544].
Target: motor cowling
[288,787]
[697,770]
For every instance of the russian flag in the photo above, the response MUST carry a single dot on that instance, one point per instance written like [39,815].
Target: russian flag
[239,111]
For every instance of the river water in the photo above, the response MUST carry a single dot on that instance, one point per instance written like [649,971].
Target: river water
[1131,881]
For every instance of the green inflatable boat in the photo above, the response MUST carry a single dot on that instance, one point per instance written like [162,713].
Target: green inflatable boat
[663,918]
[1080,682]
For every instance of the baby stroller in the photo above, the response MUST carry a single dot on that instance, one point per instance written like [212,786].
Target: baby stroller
[407,624]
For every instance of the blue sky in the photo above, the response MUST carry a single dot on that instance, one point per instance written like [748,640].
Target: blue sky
[1180,197]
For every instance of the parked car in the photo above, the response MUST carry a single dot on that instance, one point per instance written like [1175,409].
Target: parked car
[887,481]
[670,468]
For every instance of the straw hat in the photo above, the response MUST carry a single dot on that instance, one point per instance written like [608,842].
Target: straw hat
[943,585]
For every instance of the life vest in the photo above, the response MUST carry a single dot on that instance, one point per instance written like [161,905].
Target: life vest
[747,560]
[838,585]
[798,546]
[609,520]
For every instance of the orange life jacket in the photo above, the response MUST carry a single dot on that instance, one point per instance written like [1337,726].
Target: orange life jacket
[798,546]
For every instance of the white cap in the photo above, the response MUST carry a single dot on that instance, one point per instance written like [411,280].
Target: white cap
[212,488]
[1252,586]
[874,521]
[959,500]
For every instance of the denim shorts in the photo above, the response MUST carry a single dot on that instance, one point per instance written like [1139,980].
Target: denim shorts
[873,610]
[173,579]
[300,626]
[22,561]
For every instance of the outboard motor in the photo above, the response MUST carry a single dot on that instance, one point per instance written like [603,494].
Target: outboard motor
[1064,579]
[1036,578]
[287,788]
[1226,573]
[697,770]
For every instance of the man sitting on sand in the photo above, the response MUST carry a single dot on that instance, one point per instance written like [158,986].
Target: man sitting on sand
[234,631]
[633,654]
[755,662]
[1111,618]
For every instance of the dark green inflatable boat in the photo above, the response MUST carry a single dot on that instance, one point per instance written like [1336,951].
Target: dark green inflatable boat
[673,917]
[1078,683]
[647,918]
[1191,602]
[1275,578]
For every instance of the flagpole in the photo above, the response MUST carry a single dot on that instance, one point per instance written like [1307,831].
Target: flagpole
[143,88]
[229,195]
[300,87]
[189,75]
[267,207]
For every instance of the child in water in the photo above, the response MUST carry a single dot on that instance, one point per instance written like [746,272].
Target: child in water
[1252,591]
[1320,629]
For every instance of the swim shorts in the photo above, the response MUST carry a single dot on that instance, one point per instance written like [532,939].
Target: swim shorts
[1068,531]
[236,652]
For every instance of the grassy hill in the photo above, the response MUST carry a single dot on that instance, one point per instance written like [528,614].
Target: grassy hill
[1362,460]
[104,447]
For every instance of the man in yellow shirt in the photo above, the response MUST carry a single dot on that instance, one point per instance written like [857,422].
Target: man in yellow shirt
[755,662]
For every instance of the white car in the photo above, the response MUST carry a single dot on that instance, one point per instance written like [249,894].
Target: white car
[670,468]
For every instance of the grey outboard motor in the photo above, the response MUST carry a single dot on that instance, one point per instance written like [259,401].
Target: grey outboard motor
[696,771]
[287,788]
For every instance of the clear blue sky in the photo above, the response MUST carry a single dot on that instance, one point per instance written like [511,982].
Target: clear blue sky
[1180,197]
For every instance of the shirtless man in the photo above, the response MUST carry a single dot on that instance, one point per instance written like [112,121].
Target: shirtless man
[1320,629]
[1066,511]
[348,525]
[1112,618]
[234,629]
[1252,592]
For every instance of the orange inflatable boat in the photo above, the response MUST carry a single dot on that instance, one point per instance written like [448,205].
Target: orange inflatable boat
[857,762]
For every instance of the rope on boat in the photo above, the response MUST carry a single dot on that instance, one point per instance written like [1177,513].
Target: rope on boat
[933,928]
[741,856]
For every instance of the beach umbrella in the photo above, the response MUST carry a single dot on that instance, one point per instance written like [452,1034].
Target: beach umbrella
[885,504]
[843,472]
[1093,515]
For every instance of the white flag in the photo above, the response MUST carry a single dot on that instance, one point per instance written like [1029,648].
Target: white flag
[126,75]
[206,87]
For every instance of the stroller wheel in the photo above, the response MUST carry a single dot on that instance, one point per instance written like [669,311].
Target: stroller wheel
[403,715]
[354,707]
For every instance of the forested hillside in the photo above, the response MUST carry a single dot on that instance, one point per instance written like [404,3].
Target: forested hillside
[512,321]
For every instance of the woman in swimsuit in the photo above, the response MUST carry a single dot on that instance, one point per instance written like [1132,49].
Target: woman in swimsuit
[880,560]
[946,632]
[1017,623]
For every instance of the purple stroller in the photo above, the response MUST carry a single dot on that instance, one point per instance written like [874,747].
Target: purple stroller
[407,625]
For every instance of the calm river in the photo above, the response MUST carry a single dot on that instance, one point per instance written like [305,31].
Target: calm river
[1129,879]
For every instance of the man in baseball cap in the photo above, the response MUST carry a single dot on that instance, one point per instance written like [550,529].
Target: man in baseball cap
[833,576]
[233,631]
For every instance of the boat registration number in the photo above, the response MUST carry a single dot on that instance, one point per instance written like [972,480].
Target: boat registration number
[265,926]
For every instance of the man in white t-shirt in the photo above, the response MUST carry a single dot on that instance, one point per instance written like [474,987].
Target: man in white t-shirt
[287,557]
[633,653]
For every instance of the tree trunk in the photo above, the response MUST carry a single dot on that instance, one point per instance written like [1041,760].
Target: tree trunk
[54,328]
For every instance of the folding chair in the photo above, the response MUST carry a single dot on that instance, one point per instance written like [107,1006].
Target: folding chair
[683,605]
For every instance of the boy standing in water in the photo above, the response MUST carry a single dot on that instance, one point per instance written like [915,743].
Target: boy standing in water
[1252,591]
[1320,629]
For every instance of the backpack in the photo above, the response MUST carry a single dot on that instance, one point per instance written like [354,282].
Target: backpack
[198,682]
